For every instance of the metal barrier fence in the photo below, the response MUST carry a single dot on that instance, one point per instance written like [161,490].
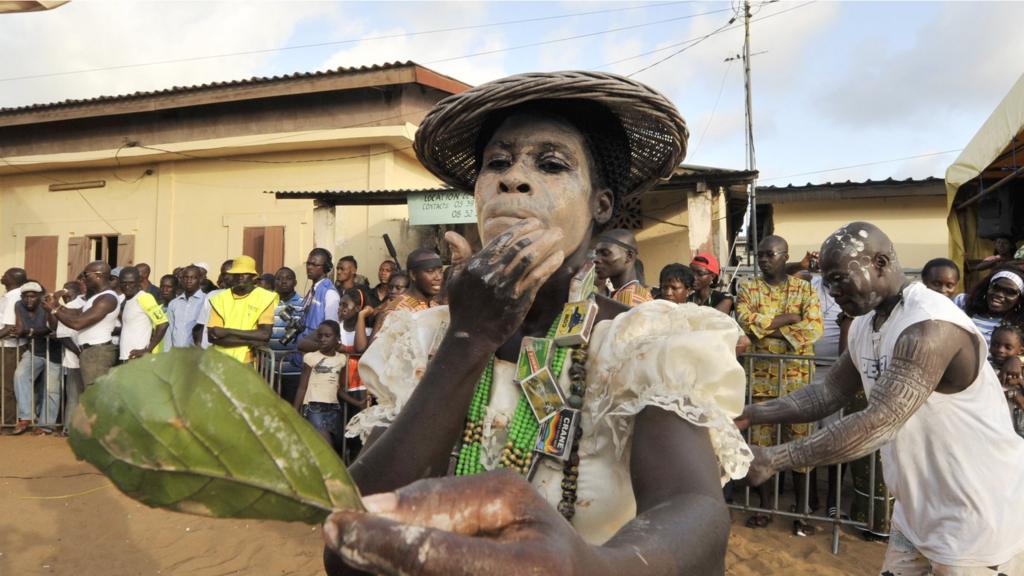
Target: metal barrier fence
[32,386]
[268,364]
[783,363]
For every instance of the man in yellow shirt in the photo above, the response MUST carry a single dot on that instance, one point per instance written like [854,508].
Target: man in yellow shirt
[243,316]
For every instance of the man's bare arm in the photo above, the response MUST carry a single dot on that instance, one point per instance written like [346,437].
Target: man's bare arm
[920,358]
[810,403]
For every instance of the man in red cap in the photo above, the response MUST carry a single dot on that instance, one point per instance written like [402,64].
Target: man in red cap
[706,272]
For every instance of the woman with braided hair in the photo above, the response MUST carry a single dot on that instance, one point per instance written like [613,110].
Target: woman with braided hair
[589,437]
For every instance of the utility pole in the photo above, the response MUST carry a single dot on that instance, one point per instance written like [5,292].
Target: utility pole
[750,155]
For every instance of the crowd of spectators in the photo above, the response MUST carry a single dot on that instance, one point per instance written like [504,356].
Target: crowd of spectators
[53,345]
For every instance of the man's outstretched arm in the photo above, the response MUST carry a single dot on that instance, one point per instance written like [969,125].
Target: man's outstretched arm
[920,358]
[810,403]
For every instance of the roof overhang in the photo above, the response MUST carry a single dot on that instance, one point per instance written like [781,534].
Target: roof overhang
[852,191]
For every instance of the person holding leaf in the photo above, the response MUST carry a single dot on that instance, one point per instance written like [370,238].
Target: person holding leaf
[625,476]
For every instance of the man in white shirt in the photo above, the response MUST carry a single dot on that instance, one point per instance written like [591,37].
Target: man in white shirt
[72,298]
[11,345]
[935,408]
[95,322]
[143,323]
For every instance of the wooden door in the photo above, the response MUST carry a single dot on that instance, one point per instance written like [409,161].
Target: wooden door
[252,244]
[273,248]
[78,255]
[41,260]
[125,250]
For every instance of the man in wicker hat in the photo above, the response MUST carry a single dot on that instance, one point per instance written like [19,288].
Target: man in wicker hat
[638,454]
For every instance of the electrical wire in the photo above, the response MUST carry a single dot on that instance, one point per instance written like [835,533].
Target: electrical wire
[861,165]
[346,41]
[721,89]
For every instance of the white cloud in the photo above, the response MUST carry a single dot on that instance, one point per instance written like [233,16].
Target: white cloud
[84,35]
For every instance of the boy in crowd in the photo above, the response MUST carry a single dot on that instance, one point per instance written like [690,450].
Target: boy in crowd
[941,275]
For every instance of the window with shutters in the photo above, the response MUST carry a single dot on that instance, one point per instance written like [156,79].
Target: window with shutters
[265,244]
[114,249]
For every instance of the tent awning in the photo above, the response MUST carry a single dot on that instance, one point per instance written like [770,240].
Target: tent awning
[993,153]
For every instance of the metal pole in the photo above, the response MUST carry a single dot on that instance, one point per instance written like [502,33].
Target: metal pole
[751,157]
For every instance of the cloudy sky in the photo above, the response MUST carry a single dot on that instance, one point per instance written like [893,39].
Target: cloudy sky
[888,89]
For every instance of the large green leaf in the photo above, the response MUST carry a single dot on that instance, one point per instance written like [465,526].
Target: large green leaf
[200,432]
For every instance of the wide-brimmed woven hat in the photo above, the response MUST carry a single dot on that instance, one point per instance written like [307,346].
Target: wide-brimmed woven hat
[447,141]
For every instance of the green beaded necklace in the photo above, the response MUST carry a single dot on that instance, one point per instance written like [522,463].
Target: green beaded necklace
[518,453]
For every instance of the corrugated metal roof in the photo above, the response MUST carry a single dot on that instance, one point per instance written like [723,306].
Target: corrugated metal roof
[360,197]
[254,81]
[849,184]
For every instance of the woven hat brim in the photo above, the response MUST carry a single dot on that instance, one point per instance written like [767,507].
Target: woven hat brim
[447,138]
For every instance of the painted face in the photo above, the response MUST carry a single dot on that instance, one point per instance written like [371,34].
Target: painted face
[429,281]
[771,258]
[30,300]
[384,271]
[346,271]
[327,339]
[610,260]
[1005,344]
[675,291]
[850,281]
[702,277]
[397,285]
[942,280]
[284,282]
[536,167]
[130,285]
[71,291]
[1002,296]
[347,309]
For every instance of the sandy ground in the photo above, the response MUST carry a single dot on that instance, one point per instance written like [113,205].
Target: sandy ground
[59,516]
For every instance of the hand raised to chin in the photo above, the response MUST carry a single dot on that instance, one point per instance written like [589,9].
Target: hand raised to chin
[491,291]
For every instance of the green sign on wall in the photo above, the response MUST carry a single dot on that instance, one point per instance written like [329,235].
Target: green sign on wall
[444,207]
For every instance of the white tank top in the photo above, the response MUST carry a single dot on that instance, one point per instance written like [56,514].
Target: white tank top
[956,467]
[102,331]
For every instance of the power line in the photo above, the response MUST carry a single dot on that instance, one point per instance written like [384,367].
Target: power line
[687,44]
[576,37]
[721,89]
[342,42]
[861,165]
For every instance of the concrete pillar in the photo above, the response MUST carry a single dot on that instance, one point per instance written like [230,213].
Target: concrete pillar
[323,225]
[700,216]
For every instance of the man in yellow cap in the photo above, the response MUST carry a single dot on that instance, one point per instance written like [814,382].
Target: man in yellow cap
[243,316]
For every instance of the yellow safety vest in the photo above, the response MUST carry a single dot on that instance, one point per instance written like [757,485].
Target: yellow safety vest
[241,314]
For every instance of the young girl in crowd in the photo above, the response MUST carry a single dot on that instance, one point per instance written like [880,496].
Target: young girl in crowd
[321,383]
[675,283]
[1006,349]
[353,312]
[941,275]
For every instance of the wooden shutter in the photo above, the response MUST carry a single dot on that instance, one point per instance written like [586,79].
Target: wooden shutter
[252,244]
[273,249]
[125,250]
[41,260]
[78,255]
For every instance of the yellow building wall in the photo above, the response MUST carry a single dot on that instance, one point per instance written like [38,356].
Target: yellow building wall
[915,225]
[664,238]
[192,210]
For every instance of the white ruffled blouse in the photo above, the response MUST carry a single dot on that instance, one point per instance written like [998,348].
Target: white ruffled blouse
[678,357]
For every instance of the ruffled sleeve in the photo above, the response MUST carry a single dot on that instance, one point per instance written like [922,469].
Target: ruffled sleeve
[393,365]
[680,358]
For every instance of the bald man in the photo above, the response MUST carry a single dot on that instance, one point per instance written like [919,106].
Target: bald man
[615,260]
[94,321]
[935,410]
[782,315]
